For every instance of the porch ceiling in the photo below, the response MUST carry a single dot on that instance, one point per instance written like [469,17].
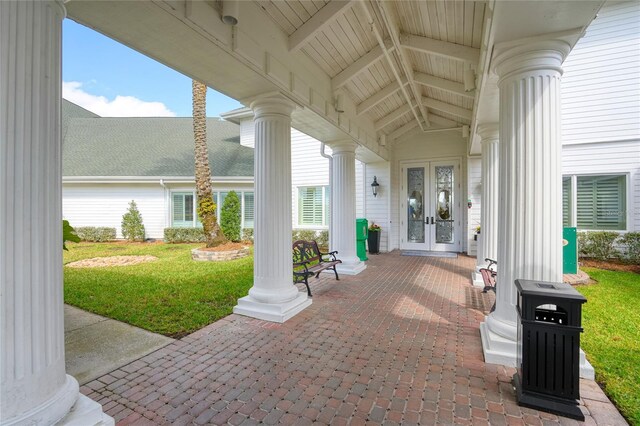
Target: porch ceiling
[430,45]
[357,69]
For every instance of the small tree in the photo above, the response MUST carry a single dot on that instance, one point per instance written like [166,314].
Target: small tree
[132,227]
[230,217]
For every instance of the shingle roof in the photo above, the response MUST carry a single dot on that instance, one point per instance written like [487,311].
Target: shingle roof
[158,146]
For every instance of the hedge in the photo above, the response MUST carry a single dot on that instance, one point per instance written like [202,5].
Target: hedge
[95,234]
[321,237]
[605,245]
[183,235]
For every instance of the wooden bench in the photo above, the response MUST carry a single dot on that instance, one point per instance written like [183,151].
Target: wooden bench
[305,256]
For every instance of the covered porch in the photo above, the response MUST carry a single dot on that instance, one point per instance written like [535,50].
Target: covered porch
[421,81]
[396,344]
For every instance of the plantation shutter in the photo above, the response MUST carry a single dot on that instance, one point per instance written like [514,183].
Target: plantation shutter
[601,202]
[248,209]
[566,201]
[182,210]
[327,204]
[310,202]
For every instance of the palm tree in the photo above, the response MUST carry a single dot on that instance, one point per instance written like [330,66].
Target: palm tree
[206,206]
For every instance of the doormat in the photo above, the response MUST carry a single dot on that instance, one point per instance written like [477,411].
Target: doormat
[428,253]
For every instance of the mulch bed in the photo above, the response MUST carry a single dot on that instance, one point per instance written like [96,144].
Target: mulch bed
[610,265]
[100,262]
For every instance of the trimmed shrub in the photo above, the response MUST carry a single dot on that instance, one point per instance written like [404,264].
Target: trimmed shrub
[96,234]
[247,234]
[598,245]
[184,235]
[68,234]
[320,236]
[132,227]
[323,238]
[630,243]
[230,217]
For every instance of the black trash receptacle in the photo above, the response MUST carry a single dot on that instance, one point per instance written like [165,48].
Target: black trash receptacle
[549,327]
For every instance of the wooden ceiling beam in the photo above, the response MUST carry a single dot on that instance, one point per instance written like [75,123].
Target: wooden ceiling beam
[359,66]
[402,130]
[440,48]
[380,96]
[447,108]
[442,84]
[444,122]
[322,18]
[391,117]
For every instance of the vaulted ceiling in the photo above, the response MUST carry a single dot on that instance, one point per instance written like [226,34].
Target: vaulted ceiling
[402,63]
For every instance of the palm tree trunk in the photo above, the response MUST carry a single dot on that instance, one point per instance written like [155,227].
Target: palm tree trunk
[204,193]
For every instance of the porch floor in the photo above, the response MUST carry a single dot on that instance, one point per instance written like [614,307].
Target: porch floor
[398,343]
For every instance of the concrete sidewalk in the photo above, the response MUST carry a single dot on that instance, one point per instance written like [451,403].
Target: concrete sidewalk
[95,345]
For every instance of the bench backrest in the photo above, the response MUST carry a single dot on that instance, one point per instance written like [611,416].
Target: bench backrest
[305,251]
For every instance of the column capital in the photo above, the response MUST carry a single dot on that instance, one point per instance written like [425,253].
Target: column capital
[533,55]
[272,104]
[488,132]
[342,146]
[60,5]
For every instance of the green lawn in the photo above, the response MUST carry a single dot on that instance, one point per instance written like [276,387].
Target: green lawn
[611,339]
[173,295]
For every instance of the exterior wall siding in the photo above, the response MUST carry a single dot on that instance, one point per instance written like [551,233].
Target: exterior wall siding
[104,205]
[474,194]
[601,82]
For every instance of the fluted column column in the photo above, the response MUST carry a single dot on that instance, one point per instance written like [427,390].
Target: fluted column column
[530,202]
[343,208]
[273,296]
[490,197]
[34,388]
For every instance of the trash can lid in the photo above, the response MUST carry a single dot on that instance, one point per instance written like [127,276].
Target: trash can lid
[546,288]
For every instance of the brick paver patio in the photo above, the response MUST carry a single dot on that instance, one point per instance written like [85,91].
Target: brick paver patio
[397,344]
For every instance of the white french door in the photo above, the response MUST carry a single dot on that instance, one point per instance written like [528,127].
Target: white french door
[430,205]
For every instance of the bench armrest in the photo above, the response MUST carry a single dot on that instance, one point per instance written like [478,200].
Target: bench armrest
[332,254]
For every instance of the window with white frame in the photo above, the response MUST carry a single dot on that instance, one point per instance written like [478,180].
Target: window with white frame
[184,208]
[595,202]
[313,206]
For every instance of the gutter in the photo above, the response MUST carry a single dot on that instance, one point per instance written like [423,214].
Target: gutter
[153,179]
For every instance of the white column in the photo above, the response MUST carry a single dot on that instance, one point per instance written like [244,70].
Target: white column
[489,210]
[273,296]
[34,388]
[343,209]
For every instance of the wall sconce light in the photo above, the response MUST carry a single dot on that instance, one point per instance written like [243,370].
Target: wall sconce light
[374,186]
[338,104]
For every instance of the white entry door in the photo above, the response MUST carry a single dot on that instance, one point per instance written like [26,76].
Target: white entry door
[430,206]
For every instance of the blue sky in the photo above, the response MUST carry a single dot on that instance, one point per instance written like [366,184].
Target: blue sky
[111,79]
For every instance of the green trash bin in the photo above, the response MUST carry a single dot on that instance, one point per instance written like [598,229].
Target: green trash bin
[569,250]
[362,232]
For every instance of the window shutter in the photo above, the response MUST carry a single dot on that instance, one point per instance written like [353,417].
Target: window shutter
[178,208]
[601,202]
[566,201]
[248,209]
[310,206]
[188,208]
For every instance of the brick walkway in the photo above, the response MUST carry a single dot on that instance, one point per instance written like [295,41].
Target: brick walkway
[397,344]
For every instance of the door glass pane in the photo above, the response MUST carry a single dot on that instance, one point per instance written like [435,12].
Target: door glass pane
[415,205]
[444,204]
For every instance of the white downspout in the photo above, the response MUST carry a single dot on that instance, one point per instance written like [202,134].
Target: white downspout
[330,158]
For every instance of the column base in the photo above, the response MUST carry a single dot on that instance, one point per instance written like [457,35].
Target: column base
[86,412]
[500,350]
[351,267]
[476,278]
[66,407]
[275,312]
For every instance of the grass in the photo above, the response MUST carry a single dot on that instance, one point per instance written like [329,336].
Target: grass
[173,296]
[611,319]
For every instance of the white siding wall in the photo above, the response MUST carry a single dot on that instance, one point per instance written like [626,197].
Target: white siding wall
[474,191]
[378,207]
[104,205]
[247,133]
[361,188]
[601,81]
[608,158]
[308,167]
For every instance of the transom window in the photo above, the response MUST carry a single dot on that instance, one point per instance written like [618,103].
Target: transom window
[595,202]
[313,206]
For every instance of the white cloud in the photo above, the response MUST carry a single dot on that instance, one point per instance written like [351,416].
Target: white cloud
[121,106]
